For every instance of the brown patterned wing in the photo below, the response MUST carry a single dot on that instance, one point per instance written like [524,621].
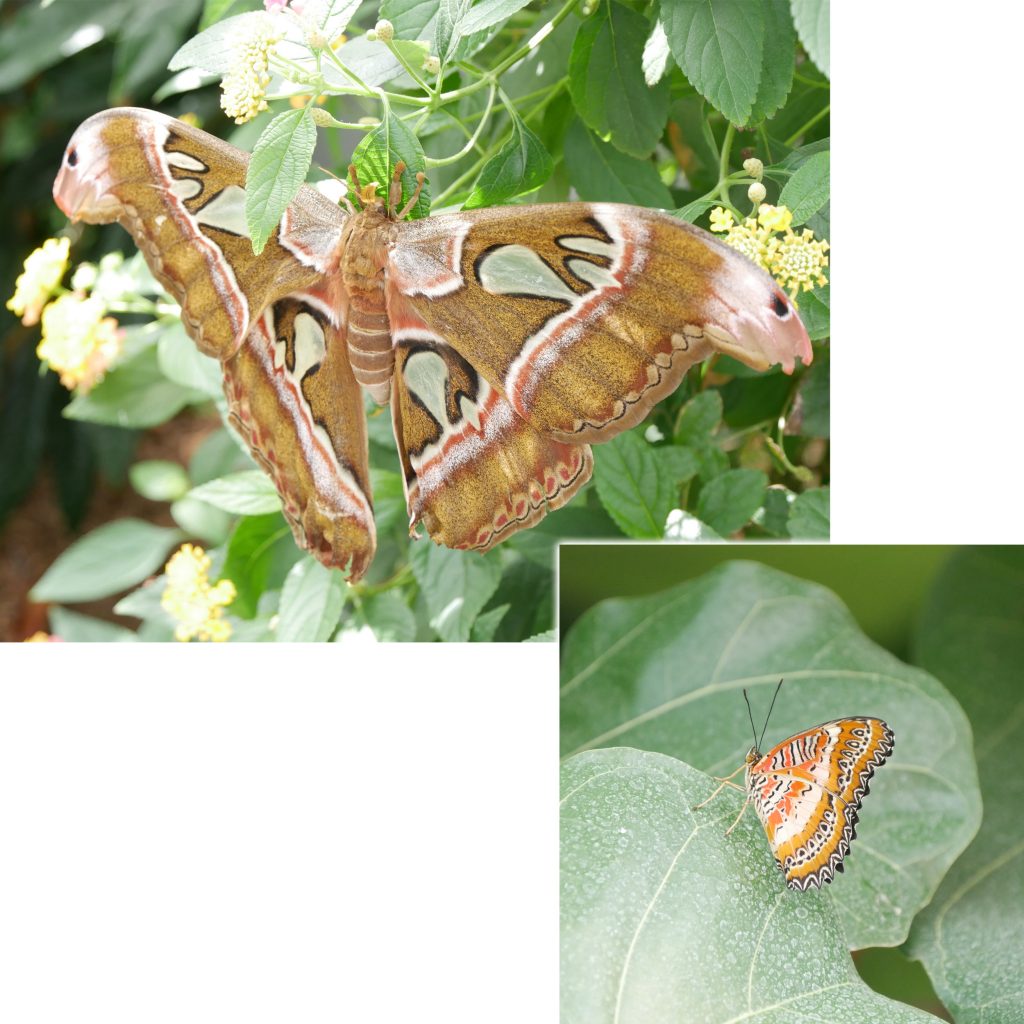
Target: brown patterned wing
[585,315]
[180,192]
[277,321]
[475,472]
[293,397]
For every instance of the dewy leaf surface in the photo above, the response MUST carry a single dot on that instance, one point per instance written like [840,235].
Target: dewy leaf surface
[667,919]
[665,673]
[971,937]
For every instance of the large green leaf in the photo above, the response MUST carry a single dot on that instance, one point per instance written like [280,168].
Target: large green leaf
[665,919]
[521,165]
[600,172]
[377,154]
[112,558]
[606,79]
[812,21]
[971,937]
[134,394]
[456,585]
[276,171]
[665,673]
[719,45]
[311,601]
[638,484]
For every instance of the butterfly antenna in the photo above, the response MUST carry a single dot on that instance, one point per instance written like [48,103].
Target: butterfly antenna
[750,715]
[769,715]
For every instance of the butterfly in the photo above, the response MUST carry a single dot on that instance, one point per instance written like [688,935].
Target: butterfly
[507,340]
[807,791]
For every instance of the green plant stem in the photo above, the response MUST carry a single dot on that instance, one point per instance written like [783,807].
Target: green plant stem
[409,68]
[439,200]
[824,112]
[445,160]
[365,90]
[722,188]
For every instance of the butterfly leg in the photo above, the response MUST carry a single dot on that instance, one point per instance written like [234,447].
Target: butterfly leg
[724,780]
[743,810]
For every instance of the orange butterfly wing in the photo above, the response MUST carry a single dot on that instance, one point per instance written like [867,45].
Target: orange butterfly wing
[807,792]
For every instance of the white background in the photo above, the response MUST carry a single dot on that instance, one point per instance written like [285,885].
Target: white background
[370,834]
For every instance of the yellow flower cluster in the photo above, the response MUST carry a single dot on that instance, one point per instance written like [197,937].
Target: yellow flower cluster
[79,342]
[188,597]
[244,88]
[43,271]
[795,261]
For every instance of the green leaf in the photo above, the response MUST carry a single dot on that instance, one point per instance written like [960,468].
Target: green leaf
[813,398]
[311,602]
[807,191]
[719,44]
[487,624]
[247,493]
[699,418]
[333,16]
[486,13]
[778,62]
[76,628]
[809,515]
[600,172]
[456,586]
[815,312]
[691,211]
[665,673]
[521,165]
[158,479]
[276,171]
[380,150]
[971,635]
[134,394]
[213,49]
[812,18]
[667,919]
[217,456]
[112,558]
[606,80]
[639,484]
[773,517]
[197,519]
[447,30]
[728,502]
[253,551]
[181,362]
[389,616]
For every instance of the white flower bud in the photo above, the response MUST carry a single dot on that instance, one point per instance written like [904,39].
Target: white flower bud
[754,167]
[432,65]
[756,192]
[385,30]
[321,118]
[372,36]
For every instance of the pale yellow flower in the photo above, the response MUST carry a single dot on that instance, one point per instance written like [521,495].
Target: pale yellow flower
[721,219]
[774,218]
[44,269]
[197,607]
[797,261]
[79,342]
[244,88]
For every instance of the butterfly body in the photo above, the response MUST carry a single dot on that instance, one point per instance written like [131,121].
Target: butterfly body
[506,340]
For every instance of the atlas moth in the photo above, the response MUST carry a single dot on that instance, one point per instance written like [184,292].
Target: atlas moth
[507,340]
[808,790]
